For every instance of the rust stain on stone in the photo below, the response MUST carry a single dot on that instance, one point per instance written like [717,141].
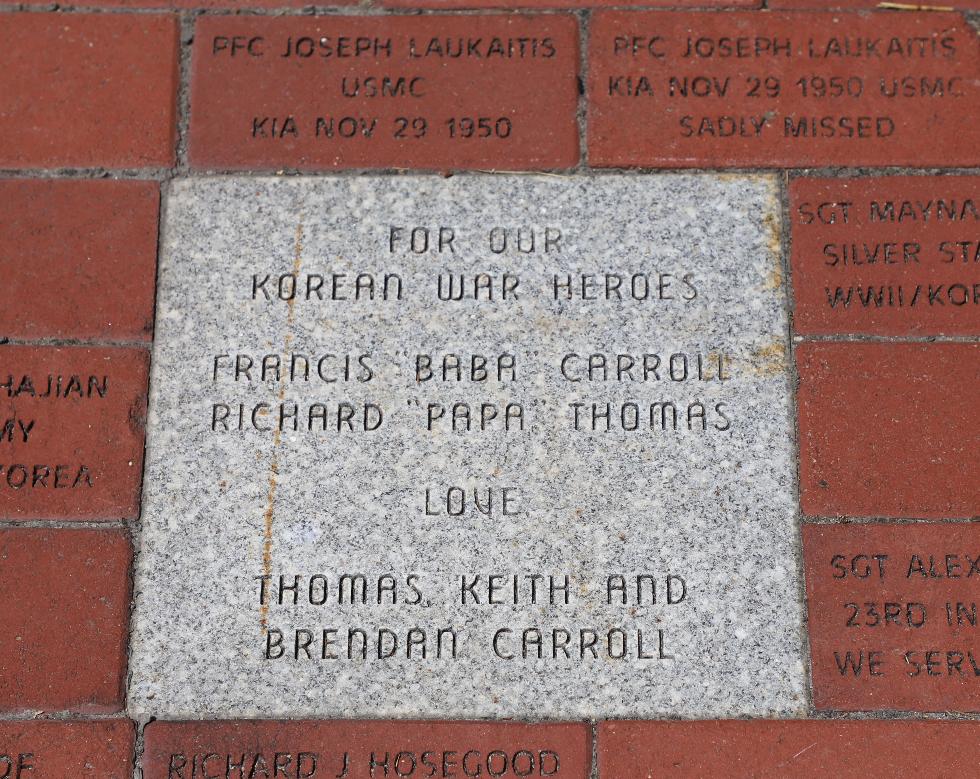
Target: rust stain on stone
[270,501]
[774,279]
[770,360]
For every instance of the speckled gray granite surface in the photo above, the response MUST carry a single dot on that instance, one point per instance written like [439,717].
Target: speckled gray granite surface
[683,485]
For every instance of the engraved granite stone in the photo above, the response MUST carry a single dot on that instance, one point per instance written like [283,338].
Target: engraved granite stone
[485,446]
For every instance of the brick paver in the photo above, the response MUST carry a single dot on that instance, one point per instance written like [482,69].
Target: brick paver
[198,4]
[882,5]
[892,615]
[378,92]
[65,617]
[767,749]
[87,90]
[73,422]
[689,90]
[78,258]
[889,429]
[364,750]
[80,750]
[538,4]
[896,255]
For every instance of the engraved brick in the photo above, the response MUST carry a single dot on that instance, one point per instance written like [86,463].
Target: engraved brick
[787,89]
[348,748]
[80,750]
[65,617]
[889,429]
[73,422]
[893,616]
[886,256]
[78,258]
[87,90]
[537,4]
[508,103]
[765,748]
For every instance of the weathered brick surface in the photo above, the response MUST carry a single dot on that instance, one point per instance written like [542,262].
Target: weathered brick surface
[73,422]
[78,258]
[897,255]
[869,4]
[536,4]
[87,90]
[892,615]
[678,89]
[182,750]
[765,749]
[889,429]
[66,750]
[194,4]
[509,103]
[65,617]
[408,4]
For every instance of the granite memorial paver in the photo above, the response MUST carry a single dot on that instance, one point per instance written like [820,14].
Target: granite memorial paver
[469,447]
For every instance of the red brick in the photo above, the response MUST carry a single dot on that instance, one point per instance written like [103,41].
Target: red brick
[673,132]
[83,456]
[58,750]
[443,744]
[854,4]
[924,262]
[537,96]
[65,617]
[78,258]
[537,4]
[180,4]
[761,749]
[889,429]
[87,90]
[882,606]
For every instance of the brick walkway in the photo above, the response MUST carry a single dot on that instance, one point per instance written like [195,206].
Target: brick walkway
[873,128]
